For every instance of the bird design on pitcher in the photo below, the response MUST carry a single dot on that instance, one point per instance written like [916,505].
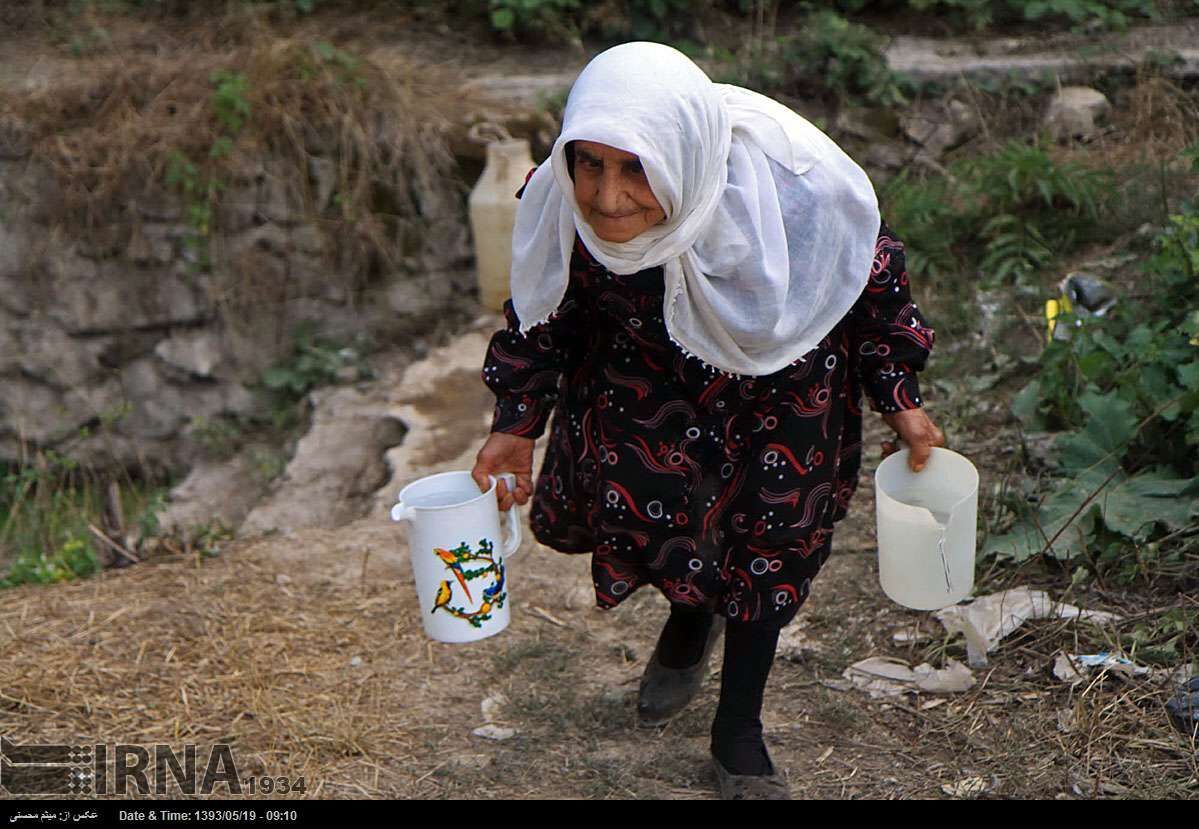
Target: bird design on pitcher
[457,561]
[454,559]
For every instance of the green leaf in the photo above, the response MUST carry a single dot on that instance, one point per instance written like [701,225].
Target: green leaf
[1026,407]
[1132,507]
[1028,536]
[1156,387]
[1097,366]
[1193,428]
[503,19]
[221,147]
[1110,425]
[1034,10]
[1188,375]
[277,378]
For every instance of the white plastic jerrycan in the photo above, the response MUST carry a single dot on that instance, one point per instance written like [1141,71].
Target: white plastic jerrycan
[926,529]
[458,557]
[493,206]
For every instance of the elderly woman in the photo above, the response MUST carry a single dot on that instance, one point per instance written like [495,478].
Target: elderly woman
[701,288]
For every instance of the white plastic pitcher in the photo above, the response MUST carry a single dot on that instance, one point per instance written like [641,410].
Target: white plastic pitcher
[458,557]
[926,529]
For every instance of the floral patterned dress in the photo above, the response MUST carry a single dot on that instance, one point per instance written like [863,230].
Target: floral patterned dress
[721,491]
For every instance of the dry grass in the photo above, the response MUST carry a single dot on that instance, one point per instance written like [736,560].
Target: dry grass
[114,132]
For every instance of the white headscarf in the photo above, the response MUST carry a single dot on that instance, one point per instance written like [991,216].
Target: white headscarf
[770,228]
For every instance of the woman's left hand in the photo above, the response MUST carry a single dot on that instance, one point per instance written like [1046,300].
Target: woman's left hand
[918,431]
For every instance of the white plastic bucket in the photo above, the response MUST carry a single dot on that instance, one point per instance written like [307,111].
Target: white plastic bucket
[926,529]
[459,559]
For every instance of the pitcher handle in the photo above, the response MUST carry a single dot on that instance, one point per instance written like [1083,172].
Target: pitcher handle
[512,520]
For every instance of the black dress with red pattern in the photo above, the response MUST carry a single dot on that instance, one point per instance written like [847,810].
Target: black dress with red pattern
[719,490]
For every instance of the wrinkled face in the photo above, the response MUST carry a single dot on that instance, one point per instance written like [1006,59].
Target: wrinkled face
[613,193]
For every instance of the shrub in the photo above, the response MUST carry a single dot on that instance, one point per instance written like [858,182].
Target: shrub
[1108,14]
[1125,390]
[829,58]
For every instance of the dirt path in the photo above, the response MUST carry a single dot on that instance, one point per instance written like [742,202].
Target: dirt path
[305,652]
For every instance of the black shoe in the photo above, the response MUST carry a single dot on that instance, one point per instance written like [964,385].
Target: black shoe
[666,691]
[750,786]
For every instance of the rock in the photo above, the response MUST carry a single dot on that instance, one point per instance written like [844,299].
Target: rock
[267,238]
[37,412]
[940,127]
[356,662]
[419,295]
[323,173]
[519,90]
[14,138]
[10,357]
[336,467]
[159,408]
[279,202]
[887,155]
[237,209]
[159,205]
[310,239]
[150,245]
[310,276]
[247,170]
[102,242]
[1075,112]
[869,124]
[196,352]
[92,298]
[45,351]
[213,493]
[14,249]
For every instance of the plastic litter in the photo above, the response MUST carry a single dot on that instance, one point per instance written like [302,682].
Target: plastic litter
[795,644]
[882,676]
[1074,668]
[989,619]
[1183,708]
[493,707]
[1081,295]
[494,732]
[969,787]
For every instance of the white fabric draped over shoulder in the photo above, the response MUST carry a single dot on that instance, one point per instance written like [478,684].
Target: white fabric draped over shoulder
[770,227]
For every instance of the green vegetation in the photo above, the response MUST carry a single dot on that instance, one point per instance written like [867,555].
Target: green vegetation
[535,17]
[1011,214]
[829,57]
[1123,390]
[1104,14]
[313,361]
[316,361]
[50,510]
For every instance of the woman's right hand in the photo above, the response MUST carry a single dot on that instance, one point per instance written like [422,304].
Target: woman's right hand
[506,453]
